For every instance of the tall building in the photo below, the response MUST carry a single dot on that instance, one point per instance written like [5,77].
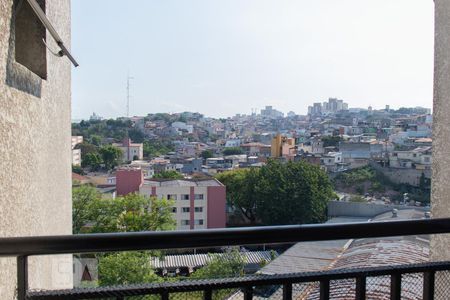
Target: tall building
[283,146]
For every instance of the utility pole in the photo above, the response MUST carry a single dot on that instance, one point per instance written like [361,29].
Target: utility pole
[128,94]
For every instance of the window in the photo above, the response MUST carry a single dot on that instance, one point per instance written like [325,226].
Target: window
[198,196]
[184,222]
[199,209]
[30,50]
[199,222]
[174,209]
[185,197]
[172,197]
[186,209]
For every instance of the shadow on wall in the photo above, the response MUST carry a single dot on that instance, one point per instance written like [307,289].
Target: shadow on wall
[27,47]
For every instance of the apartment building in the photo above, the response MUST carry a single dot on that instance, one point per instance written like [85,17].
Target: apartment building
[76,153]
[199,204]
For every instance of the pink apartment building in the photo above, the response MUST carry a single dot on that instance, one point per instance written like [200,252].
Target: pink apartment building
[198,204]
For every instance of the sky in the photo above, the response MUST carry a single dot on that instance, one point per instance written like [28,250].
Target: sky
[223,57]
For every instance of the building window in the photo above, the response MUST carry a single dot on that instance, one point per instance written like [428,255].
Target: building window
[198,196]
[199,209]
[174,209]
[186,209]
[185,197]
[184,222]
[199,222]
[30,34]
[172,197]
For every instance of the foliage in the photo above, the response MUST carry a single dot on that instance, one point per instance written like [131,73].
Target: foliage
[241,187]
[228,265]
[356,176]
[123,214]
[206,154]
[357,198]
[292,193]
[232,151]
[156,148]
[86,148]
[280,193]
[77,169]
[136,135]
[123,268]
[92,160]
[329,141]
[82,198]
[168,175]
[96,140]
[111,156]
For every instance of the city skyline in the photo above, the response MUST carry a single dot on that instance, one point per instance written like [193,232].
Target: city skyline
[224,58]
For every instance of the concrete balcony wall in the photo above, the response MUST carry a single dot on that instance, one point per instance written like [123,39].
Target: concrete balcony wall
[440,191]
[35,150]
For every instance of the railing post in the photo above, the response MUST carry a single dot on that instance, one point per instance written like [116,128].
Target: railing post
[287,291]
[360,288]
[428,285]
[22,277]
[248,293]
[325,289]
[396,286]
[165,295]
[207,294]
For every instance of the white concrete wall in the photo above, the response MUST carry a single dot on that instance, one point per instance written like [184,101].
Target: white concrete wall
[35,169]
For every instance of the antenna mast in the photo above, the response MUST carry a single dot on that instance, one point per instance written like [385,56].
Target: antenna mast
[128,94]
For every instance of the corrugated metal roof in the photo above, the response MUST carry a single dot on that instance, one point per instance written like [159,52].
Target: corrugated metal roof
[199,260]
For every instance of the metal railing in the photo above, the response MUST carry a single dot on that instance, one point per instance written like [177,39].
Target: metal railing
[23,247]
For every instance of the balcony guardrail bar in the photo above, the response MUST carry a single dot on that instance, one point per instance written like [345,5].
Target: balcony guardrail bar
[22,247]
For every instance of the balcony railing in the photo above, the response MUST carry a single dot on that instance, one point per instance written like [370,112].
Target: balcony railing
[321,285]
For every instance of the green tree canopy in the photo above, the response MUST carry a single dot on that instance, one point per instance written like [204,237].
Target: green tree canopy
[111,156]
[126,268]
[168,175]
[206,154]
[93,214]
[92,160]
[232,151]
[241,187]
[280,193]
[227,265]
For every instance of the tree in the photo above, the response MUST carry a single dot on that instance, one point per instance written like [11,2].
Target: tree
[130,213]
[280,193]
[86,148]
[123,268]
[241,190]
[82,198]
[77,169]
[92,214]
[232,151]
[111,156]
[206,154]
[226,265]
[96,140]
[329,141]
[292,193]
[168,175]
[92,160]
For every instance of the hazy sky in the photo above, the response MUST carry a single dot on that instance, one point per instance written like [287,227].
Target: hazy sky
[222,57]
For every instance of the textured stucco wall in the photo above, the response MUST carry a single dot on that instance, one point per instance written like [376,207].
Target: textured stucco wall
[440,190]
[35,151]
